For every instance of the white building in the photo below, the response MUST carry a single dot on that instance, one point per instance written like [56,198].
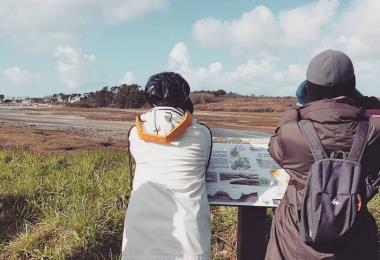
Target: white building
[61,98]
[77,98]
[27,102]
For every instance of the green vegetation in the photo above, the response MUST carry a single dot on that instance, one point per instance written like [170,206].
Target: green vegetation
[62,206]
[374,208]
[123,96]
[73,206]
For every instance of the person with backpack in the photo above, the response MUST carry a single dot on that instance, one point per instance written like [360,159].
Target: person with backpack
[330,149]
[168,215]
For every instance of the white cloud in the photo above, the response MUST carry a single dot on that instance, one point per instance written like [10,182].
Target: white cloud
[357,31]
[128,78]
[259,75]
[41,25]
[260,28]
[302,25]
[313,27]
[253,28]
[120,10]
[367,76]
[19,76]
[74,66]
[179,56]
[215,67]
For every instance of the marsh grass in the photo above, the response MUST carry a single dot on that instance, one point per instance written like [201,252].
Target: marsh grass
[72,206]
[62,206]
[374,208]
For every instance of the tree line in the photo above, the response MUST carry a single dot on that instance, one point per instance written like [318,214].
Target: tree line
[123,96]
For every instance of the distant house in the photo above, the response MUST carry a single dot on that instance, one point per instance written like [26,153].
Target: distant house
[48,99]
[83,99]
[13,100]
[17,100]
[73,98]
[7,100]
[78,99]
[27,102]
[61,98]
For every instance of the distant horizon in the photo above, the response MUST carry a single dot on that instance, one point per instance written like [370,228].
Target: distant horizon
[81,93]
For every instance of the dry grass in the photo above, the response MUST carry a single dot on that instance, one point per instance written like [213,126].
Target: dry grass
[39,139]
[248,104]
[224,232]
[51,141]
[201,98]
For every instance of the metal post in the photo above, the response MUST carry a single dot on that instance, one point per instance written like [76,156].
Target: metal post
[251,233]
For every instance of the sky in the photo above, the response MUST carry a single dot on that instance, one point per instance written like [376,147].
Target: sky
[244,46]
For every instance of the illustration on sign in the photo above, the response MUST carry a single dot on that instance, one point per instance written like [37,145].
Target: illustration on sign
[242,173]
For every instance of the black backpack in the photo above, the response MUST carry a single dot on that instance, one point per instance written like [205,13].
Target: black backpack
[335,191]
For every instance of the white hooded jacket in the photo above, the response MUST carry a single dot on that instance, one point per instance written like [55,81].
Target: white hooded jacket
[168,216]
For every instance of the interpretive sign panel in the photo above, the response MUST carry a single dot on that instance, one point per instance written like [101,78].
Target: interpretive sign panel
[242,173]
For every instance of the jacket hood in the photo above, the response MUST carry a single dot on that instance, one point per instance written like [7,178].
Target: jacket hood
[339,110]
[161,120]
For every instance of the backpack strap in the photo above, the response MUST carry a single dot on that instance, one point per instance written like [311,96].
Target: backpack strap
[317,150]
[211,146]
[360,142]
[312,138]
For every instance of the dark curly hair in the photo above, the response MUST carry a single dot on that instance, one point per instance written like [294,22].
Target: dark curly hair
[168,89]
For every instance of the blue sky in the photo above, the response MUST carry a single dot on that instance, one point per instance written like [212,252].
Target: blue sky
[245,46]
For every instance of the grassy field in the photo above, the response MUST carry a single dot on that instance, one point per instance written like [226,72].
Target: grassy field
[62,206]
[66,206]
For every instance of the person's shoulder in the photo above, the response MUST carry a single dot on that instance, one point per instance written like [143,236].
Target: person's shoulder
[373,116]
[132,132]
[369,103]
[201,127]
[289,116]
[289,129]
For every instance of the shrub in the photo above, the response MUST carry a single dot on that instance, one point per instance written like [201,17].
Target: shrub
[201,98]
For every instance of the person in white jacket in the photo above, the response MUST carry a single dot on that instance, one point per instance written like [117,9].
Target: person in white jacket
[168,215]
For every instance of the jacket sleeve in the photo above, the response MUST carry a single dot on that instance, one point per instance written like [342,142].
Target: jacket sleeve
[369,102]
[372,151]
[374,131]
[371,167]
[370,161]
[275,146]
